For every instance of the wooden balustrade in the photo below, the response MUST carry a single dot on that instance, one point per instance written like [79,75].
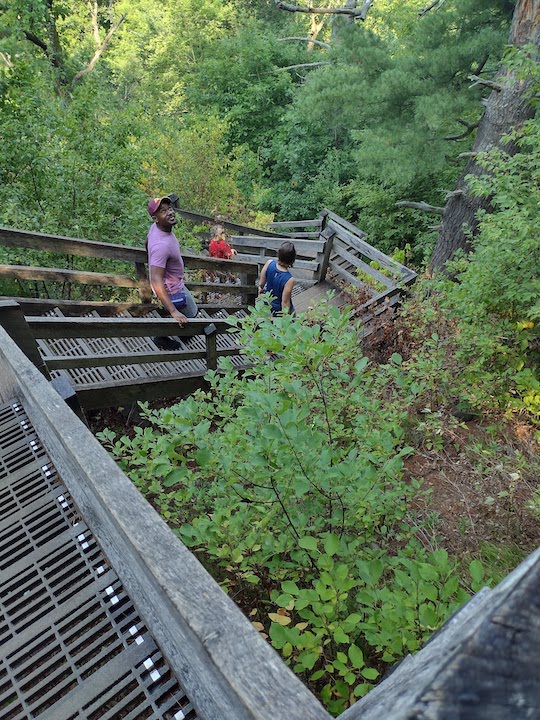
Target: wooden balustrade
[137,257]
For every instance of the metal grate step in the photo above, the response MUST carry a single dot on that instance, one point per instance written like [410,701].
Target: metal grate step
[73,646]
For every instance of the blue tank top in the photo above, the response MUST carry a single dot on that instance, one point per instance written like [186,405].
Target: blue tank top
[275,282]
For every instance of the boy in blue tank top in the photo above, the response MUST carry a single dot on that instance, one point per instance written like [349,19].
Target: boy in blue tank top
[278,281]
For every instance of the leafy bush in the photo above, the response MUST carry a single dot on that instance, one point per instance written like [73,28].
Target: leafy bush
[289,479]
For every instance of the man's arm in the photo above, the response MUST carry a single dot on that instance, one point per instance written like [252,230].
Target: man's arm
[156,280]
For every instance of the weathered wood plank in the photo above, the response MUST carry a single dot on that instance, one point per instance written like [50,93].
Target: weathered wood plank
[13,323]
[297,223]
[10,237]
[302,246]
[345,274]
[226,667]
[298,235]
[31,306]
[301,264]
[52,327]
[341,249]
[235,227]
[68,362]
[203,262]
[369,251]
[222,287]
[28,272]
[327,236]
[344,223]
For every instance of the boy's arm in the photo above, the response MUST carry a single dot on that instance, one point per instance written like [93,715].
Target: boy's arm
[262,279]
[286,296]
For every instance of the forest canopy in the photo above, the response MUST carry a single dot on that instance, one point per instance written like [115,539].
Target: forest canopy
[243,107]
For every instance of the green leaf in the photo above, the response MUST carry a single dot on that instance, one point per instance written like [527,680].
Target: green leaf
[203,456]
[340,636]
[289,587]
[331,544]
[357,656]
[308,543]
[370,673]
[477,571]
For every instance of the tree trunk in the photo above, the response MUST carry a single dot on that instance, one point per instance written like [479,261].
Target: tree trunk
[505,109]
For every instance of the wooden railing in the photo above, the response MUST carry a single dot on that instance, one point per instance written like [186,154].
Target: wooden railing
[120,253]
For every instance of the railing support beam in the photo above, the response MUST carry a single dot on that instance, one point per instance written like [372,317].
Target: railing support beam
[14,323]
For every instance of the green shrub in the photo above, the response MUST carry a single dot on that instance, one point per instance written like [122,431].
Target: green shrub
[290,478]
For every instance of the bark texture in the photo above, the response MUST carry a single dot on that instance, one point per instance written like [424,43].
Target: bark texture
[506,108]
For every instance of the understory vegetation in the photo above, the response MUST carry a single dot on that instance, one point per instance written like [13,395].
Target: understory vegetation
[291,483]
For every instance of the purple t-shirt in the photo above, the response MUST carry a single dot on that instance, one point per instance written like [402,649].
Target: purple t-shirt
[164,252]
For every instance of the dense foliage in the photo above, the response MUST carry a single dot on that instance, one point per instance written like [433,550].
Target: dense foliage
[291,477]
[289,481]
[221,102]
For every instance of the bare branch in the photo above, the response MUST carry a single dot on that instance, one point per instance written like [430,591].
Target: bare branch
[304,65]
[6,57]
[434,4]
[99,52]
[306,39]
[487,83]
[470,128]
[482,63]
[453,193]
[36,41]
[425,207]
[353,12]
[93,8]
[467,155]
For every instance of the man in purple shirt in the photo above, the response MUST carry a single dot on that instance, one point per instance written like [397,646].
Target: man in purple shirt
[167,268]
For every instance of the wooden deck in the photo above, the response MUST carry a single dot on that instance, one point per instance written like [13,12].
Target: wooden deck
[106,350]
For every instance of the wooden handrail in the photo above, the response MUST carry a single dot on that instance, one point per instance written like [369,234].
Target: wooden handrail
[11,237]
[85,327]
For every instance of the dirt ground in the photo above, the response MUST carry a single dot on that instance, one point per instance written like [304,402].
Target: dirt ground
[481,485]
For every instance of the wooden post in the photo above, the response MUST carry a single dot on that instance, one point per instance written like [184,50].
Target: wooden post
[211,346]
[145,292]
[14,323]
[328,236]
[251,296]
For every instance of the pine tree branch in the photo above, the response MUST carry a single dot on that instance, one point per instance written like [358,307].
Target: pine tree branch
[304,65]
[425,207]
[306,39]
[487,83]
[434,4]
[353,12]
[470,128]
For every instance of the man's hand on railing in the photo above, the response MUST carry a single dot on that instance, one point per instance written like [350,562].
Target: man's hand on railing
[180,318]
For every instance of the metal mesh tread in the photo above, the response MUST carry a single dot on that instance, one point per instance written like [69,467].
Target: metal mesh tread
[112,375]
[73,646]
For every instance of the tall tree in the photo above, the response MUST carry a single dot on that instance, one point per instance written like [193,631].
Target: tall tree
[507,108]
